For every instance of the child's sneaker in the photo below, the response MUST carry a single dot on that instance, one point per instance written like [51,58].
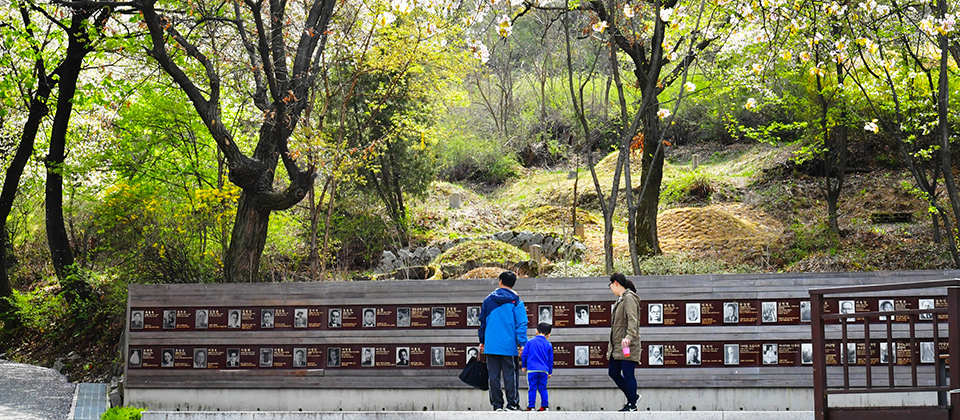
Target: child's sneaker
[544,409]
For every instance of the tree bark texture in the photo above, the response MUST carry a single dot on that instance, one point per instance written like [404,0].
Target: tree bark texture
[11,182]
[651,161]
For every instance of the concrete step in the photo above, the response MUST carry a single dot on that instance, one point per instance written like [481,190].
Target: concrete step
[479,415]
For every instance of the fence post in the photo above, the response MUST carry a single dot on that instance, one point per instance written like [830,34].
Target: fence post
[820,358]
[953,316]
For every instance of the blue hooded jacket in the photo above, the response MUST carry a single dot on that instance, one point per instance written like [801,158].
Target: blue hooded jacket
[503,323]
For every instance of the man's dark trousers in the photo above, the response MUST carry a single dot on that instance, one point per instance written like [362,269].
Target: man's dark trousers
[507,365]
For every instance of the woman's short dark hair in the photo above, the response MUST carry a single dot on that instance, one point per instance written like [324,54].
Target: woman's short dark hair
[622,280]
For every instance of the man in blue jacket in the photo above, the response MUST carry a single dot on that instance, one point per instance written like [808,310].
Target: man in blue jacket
[503,332]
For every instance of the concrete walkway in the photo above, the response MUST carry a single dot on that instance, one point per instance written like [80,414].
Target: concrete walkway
[30,392]
[483,415]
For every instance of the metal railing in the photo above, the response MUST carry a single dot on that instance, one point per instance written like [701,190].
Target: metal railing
[855,328]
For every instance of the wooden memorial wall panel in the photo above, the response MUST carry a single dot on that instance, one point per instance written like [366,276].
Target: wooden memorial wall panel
[298,329]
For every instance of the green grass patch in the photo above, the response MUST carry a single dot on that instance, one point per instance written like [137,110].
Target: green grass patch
[123,413]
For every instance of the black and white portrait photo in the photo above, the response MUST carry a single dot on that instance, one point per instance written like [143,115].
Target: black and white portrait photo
[926,304]
[473,316]
[367,357]
[850,354]
[438,317]
[770,354]
[266,318]
[805,315]
[693,313]
[655,355]
[693,354]
[927,353]
[581,315]
[300,318]
[884,353]
[266,357]
[581,356]
[437,356]
[731,312]
[768,312]
[233,318]
[335,320]
[333,357]
[546,314]
[166,358]
[655,313]
[300,357]
[369,317]
[136,358]
[403,317]
[848,307]
[202,320]
[233,357]
[473,353]
[806,353]
[886,305]
[169,319]
[731,354]
[136,320]
[200,358]
[403,356]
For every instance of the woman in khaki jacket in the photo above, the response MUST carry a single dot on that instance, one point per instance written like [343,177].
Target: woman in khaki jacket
[623,351]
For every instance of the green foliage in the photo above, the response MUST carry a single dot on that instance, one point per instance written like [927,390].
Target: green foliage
[162,240]
[687,185]
[40,310]
[123,413]
[465,156]
[811,239]
[681,264]
[482,251]
[358,234]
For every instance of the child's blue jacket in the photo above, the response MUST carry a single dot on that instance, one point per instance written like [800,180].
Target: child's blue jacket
[503,323]
[538,355]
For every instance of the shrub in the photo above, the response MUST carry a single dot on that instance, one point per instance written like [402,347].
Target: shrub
[472,158]
[695,185]
[482,251]
[123,413]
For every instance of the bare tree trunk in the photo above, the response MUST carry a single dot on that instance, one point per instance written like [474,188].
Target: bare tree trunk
[943,127]
[646,240]
[11,181]
[57,239]
[248,240]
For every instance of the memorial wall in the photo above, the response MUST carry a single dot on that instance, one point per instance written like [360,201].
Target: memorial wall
[421,322]
[697,331]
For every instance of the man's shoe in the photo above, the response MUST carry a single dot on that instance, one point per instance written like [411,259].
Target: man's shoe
[497,408]
[513,408]
[544,409]
[529,408]
[629,407]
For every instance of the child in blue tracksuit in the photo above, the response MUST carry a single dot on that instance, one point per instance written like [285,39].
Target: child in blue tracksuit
[537,361]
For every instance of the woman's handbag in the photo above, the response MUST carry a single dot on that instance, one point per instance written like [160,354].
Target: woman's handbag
[475,374]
